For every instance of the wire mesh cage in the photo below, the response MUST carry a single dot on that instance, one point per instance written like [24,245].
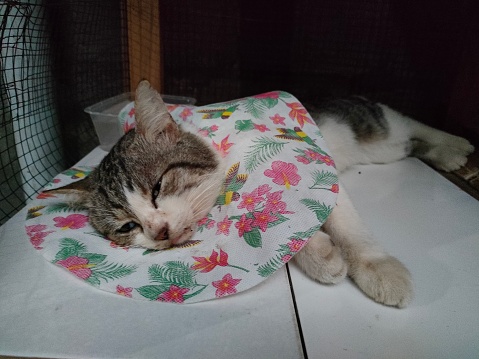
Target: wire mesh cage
[58,57]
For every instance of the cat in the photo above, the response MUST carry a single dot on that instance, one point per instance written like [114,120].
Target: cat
[135,199]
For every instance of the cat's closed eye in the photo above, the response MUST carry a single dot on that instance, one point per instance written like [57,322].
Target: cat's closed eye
[156,191]
[127,227]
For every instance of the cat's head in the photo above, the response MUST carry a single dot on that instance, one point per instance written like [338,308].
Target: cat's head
[156,183]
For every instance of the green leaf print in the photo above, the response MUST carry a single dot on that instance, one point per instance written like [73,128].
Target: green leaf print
[321,210]
[152,292]
[263,149]
[255,107]
[270,267]
[253,238]
[173,272]
[69,247]
[323,179]
[244,125]
[109,271]
[64,207]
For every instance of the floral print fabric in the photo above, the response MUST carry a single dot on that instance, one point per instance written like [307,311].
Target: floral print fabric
[279,188]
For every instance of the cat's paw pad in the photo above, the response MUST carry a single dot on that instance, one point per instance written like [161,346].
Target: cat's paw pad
[448,158]
[461,145]
[385,280]
[321,260]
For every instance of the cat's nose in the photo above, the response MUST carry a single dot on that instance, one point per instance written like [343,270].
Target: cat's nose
[162,235]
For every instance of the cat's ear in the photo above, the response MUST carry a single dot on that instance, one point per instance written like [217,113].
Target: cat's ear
[153,121]
[79,190]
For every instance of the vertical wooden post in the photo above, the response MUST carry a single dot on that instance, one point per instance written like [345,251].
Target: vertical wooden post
[143,19]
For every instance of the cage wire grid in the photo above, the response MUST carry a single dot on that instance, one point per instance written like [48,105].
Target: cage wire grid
[58,57]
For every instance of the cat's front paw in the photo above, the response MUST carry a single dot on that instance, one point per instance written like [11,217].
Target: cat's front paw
[385,280]
[448,158]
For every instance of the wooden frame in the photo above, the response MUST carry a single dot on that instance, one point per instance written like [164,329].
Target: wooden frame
[143,20]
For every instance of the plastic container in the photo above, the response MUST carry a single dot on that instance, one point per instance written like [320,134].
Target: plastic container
[104,115]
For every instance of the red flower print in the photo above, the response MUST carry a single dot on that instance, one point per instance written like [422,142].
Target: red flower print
[298,113]
[227,285]
[261,128]
[303,159]
[272,94]
[171,108]
[262,219]
[207,264]
[44,195]
[315,156]
[243,225]
[223,147]
[335,188]
[283,173]
[174,294]
[126,292]
[127,127]
[274,203]
[73,221]
[78,266]
[249,200]
[114,245]
[185,114]
[327,160]
[224,226]
[277,119]
[36,234]
[131,113]
[295,245]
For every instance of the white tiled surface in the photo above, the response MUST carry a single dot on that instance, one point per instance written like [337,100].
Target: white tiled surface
[421,218]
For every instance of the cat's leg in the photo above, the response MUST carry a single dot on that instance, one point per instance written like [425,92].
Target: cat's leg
[440,149]
[347,150]
[379,275]
[322,260]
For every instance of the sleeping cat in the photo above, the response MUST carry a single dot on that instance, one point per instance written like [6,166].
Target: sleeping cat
[159,180]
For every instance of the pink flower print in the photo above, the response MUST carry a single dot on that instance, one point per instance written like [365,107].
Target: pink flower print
[214,128]
[261,128]
[272,94]
[264,188]
[185,113]
[274,203]
[44,195]
[223,147]
[203,133]
[114,245]
[335,188]
[127,127]
[283,173]
[73,221]
[295,245]
[126,292]
[171,107]
[277,119]
[243,225]
[249,200]
[225,286]
[303,159]
[131,113]
[286,258]
[327,160]
[315,156]
[174,294]
[207,264]
[78,266]
[224,226]
[262,219]
[37,234]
